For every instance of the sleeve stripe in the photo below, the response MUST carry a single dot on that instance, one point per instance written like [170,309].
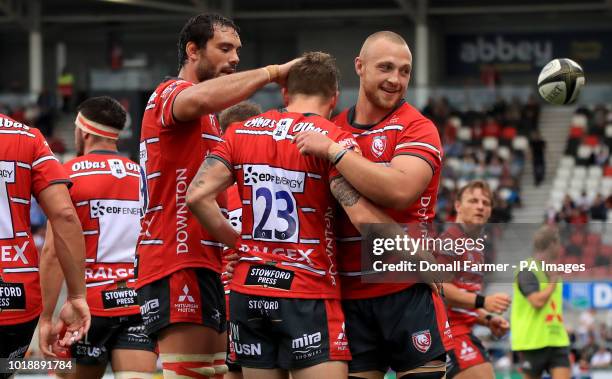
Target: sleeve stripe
[164,106]
[422,144]
[433,169]
[212,137]
[24,165]
[226,163]
[43,159]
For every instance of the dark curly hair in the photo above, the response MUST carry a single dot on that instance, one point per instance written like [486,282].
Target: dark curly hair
[199,29]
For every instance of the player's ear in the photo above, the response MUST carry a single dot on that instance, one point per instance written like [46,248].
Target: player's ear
[334,100]
[457,205]
[192,50]
[358,66]
[285,95]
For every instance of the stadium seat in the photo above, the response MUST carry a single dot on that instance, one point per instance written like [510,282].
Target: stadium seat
[579,172]
[493,183]
[504,152]
[595,172]
[579,120]
[567,161]
[564,173]
[584,152]
[464,134]
[591,140]
[490,143]
[520,143]
[449,184]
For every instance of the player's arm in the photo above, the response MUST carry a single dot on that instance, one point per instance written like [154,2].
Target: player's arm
[396,186]
[52,277]
[212,178]
[497,302]
[498,325]
[67,237]
[530,288]
[216,94]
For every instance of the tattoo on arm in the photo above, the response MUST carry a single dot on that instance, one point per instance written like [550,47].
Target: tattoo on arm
[198,180]
[344,192]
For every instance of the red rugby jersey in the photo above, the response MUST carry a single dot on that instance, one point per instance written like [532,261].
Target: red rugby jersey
[170,155]
[287,242]
[106,196]
[234,214]
[462,320]
[27,167]
[405,131]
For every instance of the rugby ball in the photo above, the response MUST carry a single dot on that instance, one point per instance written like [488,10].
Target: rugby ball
[560,81]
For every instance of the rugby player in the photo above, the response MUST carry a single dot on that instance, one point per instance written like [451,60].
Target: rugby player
[285,307]
[106,195]
[465,305]
[403,176]
[29,168]
[178,264]
[235,113]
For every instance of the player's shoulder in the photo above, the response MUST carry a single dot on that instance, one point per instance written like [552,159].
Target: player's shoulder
[165,88]
[341,118]
[407,115]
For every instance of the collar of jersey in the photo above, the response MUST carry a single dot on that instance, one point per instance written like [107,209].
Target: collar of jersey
[307,114]
[104,152]
[351,117]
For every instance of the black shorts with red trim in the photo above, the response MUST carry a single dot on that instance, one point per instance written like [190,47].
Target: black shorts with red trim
[15,341]
[192,296]
[273,332]
[402,331]
[468,352]
[535,362]
[110,333]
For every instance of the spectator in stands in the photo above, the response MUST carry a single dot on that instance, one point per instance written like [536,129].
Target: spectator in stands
[602,358]
[598,209]
[589,350]
[495,167]
[567,209]
[46,109]
[65,87]
[531,115]
[538,148]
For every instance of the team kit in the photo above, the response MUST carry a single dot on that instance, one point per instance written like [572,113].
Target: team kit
[235,247]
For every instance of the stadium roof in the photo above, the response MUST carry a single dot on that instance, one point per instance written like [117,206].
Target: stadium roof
[30,12]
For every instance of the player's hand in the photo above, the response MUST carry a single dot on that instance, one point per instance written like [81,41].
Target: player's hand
[499,326]
[283,71]
[313,143]
[46,337]
[232,261]
[75,319]
[497,303]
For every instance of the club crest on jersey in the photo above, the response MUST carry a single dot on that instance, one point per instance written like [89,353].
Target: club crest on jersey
[379,144]
[422,340]
[117,169]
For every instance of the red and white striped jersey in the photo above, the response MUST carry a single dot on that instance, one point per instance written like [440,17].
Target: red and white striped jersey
[27,167]
[234,215]
[171,153]
[287,246]
[405,131]
[106,196]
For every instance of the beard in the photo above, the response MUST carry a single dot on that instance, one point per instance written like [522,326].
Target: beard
[375,97]
[205,72]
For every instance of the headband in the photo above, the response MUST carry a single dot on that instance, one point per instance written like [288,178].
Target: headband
[96,128]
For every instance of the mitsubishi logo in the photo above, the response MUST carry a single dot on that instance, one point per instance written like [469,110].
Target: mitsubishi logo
[186,295]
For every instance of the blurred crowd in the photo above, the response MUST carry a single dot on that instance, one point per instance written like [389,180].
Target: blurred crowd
[489,144]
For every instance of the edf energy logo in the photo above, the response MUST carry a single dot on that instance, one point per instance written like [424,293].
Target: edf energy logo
[97,209]
[266,175]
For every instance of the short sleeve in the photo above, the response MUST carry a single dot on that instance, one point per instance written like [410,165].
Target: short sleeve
[46,169]
[528,283]
[421,139]
[223,151]
[347,141]
[167,100]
